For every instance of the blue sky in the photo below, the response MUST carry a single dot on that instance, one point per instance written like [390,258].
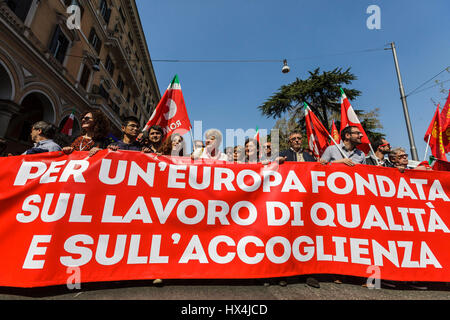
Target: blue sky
[309,34]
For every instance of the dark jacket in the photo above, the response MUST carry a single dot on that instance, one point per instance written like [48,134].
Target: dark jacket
[292,156]
[134,146]
[370,160]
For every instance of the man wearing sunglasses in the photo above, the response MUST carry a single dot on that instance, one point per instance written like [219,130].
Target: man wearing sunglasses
[399,158]
[381,148]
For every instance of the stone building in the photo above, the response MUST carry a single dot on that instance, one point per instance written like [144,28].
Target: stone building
[64,56]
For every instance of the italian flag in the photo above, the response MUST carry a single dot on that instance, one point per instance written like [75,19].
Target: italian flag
[68,126]
[349,118]
[257,137]
[170,113]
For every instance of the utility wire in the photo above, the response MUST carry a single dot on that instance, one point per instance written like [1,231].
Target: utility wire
[445,69]
[261,60]
[435,85]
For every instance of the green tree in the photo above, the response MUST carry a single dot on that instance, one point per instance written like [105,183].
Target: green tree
[322,93]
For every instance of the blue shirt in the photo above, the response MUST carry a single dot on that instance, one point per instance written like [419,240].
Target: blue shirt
[43,146]
[134,146]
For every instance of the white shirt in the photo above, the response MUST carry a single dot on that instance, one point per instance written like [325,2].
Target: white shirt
[204,154]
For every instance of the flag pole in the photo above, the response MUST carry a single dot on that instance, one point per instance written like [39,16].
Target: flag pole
[376,158]
[329,135]
[426,150]
[192,138]
[339,148]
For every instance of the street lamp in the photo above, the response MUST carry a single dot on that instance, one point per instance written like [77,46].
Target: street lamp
[285,68]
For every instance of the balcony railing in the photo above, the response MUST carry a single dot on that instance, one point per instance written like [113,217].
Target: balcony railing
[114,43]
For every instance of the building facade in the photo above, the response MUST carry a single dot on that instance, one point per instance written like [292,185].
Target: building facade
[64,56]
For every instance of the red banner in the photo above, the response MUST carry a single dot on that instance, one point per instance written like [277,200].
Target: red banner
[129,215]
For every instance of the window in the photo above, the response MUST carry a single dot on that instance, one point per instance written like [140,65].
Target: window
[95,41]
[85,75]
[20,7]
[122,16]
[120,84]
[131,39]
[109,66]
[105,11]
[59,44]
[103,92]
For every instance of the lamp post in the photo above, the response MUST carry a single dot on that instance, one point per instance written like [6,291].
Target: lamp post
[405,105]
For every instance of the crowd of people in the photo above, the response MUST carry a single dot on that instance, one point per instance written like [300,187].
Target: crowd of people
[95,128]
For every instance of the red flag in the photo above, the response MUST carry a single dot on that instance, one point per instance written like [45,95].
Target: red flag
[68,126]
[335,133]
[445,124]
[433,137]
[349,118]
[316,133]
[170,113]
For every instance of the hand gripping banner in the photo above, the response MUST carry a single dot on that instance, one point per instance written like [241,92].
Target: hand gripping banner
[128,215]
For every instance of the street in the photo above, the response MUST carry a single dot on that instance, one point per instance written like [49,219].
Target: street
[254,290]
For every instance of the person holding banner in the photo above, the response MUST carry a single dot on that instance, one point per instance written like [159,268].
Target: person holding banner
[251,150]
[211,150]
[95,127]
[382,148]
[130,129]
[400,160]
[346,152]
[152,139]
[295,152]
[42,134]
[239,154]
[173,146]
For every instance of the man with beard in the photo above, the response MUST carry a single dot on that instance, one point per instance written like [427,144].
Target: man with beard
[346,152]
[382,148]
[152,139]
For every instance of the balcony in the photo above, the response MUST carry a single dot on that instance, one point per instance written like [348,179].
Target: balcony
[114,44]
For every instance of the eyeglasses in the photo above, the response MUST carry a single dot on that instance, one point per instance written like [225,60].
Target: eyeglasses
[402,156]
[386,145]
[295,138]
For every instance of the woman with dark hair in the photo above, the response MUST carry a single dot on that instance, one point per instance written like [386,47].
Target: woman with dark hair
[251,150]
[239,154]
[173,146]
[95,128]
